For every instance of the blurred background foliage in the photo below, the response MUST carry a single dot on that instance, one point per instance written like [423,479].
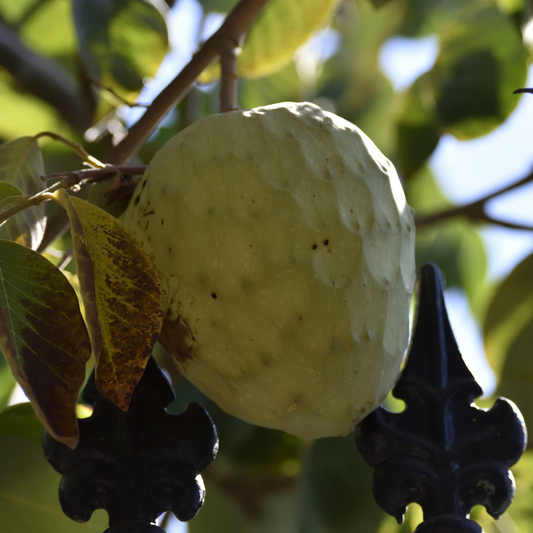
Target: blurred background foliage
[69,66]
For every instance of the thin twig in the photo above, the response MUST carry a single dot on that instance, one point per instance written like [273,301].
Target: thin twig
[98,174]
[72,179]
[228,75]
[475,211]
[100,85]
[234,27]
[78,148]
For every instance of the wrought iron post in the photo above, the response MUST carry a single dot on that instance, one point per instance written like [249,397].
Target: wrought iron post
[136,464]
[442,451]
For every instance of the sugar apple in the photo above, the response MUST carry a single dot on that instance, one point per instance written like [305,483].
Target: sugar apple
[285,249]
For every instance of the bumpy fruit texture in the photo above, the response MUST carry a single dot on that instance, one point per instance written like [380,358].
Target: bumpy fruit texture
[285,249]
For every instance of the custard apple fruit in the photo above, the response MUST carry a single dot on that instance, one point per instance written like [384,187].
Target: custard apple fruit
[285,249]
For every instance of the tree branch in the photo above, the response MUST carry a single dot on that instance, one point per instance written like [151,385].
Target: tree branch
[71,179]
[43,77]
[234,27]
[475,211]
[228,75]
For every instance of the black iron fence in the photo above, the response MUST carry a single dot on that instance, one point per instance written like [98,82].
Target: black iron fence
[441,451]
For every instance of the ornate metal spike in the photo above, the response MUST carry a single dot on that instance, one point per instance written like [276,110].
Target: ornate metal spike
[442,451]
[135,464]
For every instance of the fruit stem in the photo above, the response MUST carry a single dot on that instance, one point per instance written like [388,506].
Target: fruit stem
[235,27]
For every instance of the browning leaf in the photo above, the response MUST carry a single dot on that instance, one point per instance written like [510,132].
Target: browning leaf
[43,337]
[121,296]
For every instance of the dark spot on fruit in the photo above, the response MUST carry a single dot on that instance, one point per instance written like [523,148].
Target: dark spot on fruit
[326,242]
[175,337]
[162,222]
[143,184]
[314,247]
[351,210]
[136,200]
[148,213]
[214,296]
[170,249]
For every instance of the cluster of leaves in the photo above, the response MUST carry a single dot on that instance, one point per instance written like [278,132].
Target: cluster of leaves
[69,66]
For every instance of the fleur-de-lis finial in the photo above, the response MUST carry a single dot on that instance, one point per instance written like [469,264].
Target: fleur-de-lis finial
[442,451]
[135,464]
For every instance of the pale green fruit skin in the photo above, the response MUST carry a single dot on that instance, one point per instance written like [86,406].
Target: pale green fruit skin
[300,339]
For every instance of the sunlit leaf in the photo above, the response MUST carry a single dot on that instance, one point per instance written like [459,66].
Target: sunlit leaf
[7,382]
[21,165]
[121,43]
[43,337]
[281,28]
[121,296]
[24,113]
[55,18]
[29,500]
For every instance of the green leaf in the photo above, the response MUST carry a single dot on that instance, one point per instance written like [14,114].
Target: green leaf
[418,132]
[121,296]
[21,166]
[247,505]
[481,62]
[280,29]
[332,498]
[20,421]
[459,251]
[469,91]
[121,43]
[28,492]
[8,190]
[43,337]
[508,325]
